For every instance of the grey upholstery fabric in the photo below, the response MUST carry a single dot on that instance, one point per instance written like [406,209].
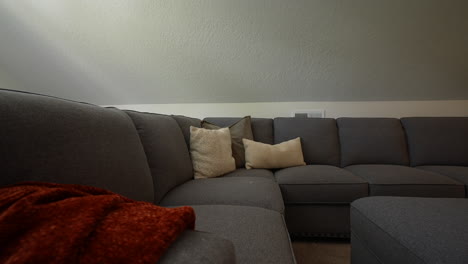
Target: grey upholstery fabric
[395,180]
[411,230]
[437,140]
[262,173]
[317,220]
[457,173]
[200,248]
[166,152]
[54,140]
[262,128]
[319,184]
[319,138]
[184,124]
[372,141]
[360,253]
[259,235]
[248,191]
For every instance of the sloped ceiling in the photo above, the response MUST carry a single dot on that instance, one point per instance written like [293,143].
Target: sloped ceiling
[174,51]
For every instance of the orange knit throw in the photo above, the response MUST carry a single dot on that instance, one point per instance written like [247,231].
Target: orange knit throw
[64,223]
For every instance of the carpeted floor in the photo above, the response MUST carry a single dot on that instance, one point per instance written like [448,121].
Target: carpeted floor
[322,251]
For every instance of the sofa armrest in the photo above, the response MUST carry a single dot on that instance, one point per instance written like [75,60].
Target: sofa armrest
[199,247]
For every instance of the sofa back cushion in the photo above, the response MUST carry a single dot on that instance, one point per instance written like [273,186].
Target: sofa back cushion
[437,140]
[262,128]
[166,151]
[185,123]
[54,140]
[372,141]
[319,138]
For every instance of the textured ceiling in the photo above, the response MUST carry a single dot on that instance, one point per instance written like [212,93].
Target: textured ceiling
[134,52]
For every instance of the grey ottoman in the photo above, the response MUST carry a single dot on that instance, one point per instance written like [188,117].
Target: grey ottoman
[409,230]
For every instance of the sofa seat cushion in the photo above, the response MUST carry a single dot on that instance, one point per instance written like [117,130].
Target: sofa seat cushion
[319,184]
[262,173]
[395,180]
[259,235]
[457,173]
[409,230]
[189,245]
[247,191]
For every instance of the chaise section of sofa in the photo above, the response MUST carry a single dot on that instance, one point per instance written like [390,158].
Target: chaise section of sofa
[317,199]
[316,196]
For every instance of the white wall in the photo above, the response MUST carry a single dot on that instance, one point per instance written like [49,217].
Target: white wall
[332,109]
[236,51]
[6,80]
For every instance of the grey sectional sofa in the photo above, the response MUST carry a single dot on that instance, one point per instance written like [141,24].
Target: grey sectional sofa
[351,158]
[245,216]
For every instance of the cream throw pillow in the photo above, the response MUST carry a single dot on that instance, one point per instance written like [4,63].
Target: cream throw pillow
[211,152]
[264,156]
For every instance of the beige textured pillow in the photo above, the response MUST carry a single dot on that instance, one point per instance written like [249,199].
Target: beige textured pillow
[211,152]
[264,156]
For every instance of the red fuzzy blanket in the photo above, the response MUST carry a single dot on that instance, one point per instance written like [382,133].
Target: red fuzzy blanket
[61,223]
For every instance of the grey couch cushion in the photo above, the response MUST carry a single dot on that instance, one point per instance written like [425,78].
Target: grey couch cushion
[372,141]
[319,184]
[262,173]
[199,247]
[437,140]
[319,138]
[166,152]
[262,128]
[409,230]
[249,191]
[395,180]
[455,172]
[184,124]
[54,140]
[259,235]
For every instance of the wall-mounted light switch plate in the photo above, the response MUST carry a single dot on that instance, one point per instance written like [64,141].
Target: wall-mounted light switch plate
[317,113]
